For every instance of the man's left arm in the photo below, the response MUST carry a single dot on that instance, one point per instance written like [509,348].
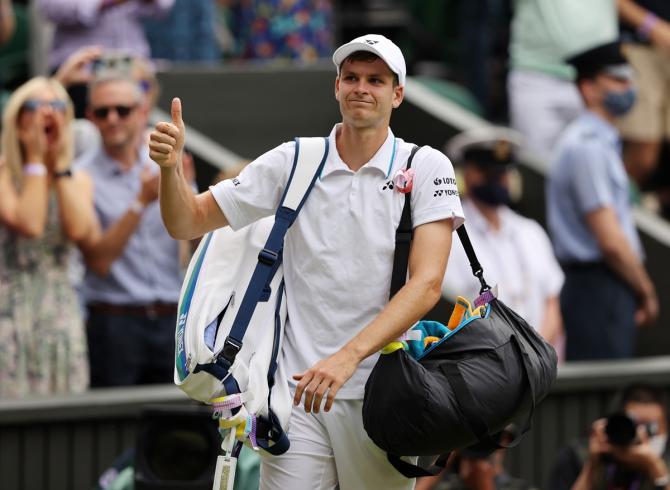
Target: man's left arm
[431,244]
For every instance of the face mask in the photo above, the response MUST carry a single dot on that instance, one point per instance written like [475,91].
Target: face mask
[657,444]
[492,193]
[619,103]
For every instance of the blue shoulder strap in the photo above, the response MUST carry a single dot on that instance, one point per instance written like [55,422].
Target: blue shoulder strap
[310,156]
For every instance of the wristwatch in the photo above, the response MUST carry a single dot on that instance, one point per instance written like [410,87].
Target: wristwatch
[63,173]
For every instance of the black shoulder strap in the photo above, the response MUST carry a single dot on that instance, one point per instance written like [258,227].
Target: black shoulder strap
[476,267]
[403,239]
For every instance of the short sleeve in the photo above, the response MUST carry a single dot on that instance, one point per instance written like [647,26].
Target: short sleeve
[257,191]
[589,177]
[434,194]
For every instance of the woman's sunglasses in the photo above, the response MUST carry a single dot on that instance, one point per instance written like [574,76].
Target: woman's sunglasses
[31,105]
[123,111]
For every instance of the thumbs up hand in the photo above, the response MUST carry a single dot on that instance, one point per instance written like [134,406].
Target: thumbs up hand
[166,142]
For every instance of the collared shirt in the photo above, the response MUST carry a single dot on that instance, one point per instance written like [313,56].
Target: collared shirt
[82,23]
[338,255]
[586,174]
[148,269]
[517,257]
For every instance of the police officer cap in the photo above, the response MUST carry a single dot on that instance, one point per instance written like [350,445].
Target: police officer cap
[604,58]
[485,146]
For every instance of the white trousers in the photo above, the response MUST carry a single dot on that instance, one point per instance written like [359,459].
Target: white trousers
[540,107]
[329,451]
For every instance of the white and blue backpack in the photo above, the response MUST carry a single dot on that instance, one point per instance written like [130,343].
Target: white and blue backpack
[231,316]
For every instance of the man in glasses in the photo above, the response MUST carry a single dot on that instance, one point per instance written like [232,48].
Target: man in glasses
[132,280]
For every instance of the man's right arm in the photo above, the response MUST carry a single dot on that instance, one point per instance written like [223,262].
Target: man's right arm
[186,216]
[619,255]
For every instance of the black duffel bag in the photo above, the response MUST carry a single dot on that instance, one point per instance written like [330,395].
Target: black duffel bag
[466,388]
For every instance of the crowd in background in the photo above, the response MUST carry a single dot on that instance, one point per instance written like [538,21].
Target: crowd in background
[89,278]
[94,134]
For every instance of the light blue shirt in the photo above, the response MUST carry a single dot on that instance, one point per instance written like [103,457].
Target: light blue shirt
[586,174]
[148,269]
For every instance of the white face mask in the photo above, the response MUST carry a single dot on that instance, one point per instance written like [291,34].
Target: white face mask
[657,444]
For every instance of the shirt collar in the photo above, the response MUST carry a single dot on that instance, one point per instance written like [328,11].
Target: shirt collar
[603,127]
[111,166]
[477,221]
[383,160]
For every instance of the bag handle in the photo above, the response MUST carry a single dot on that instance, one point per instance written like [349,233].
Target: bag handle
[410,470]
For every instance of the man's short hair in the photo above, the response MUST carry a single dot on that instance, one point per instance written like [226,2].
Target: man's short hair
[368,57]
[642,393]
[110,77]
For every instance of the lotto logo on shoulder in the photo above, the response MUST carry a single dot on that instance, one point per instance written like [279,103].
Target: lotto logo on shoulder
[445,181]
[446,187]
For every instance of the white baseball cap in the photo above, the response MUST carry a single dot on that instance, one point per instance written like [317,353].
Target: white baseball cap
[379,45]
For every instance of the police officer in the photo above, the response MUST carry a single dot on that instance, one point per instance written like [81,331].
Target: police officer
[607,291]
[514,251]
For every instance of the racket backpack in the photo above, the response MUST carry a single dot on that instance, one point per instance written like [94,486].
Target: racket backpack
[231,316]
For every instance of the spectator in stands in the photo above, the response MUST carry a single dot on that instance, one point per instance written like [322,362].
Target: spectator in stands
[7,22]
[44,208]
[622,452]
[646,27]
[133,279]
[607,290]
[112,24]
[299,30]
[542,97]
[76,70]
[514,251]
[187,34]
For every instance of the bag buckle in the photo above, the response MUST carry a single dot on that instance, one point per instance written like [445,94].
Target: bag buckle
[267,257]
[230,349]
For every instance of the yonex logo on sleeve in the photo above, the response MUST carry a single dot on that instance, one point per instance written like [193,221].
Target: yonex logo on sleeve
[371,41]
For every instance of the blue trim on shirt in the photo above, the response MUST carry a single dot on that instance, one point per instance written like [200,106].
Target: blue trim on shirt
[388,172]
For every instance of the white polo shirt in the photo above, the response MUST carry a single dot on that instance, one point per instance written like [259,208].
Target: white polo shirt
[338,255]
[518,258]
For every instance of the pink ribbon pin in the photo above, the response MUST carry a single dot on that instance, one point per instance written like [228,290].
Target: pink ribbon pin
[403,180]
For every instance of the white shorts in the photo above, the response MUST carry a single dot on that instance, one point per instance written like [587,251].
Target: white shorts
[330,450]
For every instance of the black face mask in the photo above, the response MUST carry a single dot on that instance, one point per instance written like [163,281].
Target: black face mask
[492,193]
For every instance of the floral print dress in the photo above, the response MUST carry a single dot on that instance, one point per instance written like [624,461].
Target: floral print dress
[42,337]
[284,29]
